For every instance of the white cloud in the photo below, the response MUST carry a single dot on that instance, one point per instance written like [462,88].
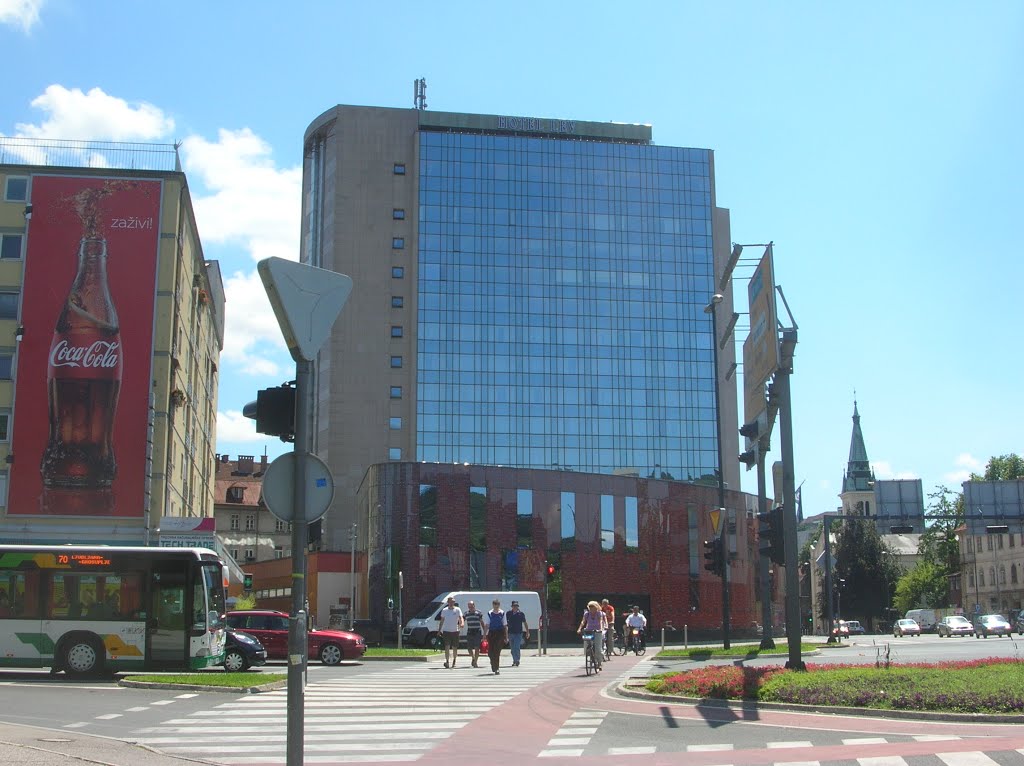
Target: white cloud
[966,464]
[23,13]
[251,334]
[74,114]
[233,426]
[884,470]
[252,202]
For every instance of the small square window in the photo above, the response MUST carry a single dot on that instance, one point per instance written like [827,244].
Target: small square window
[398,214]
[8,305]
[399,168]
[5,422]
[396,392]
[10,245]
[16,189]
[397,302]
[398,243]
[397,272]
[6,366]
[396,330]
[395,424]
[396,361]
[394,454]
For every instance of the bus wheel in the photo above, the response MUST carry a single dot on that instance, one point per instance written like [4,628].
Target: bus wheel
[83,655]
[330,654]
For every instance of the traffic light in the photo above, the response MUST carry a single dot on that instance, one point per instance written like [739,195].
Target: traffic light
[274,412]
[550,570]
[749,458]
[769,534]
[714,556]
[750,430]
[246,582]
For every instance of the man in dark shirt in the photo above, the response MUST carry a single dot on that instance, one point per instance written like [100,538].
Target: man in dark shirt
[518,631]
[474,631]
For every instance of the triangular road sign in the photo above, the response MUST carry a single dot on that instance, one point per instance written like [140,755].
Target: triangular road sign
[306,301]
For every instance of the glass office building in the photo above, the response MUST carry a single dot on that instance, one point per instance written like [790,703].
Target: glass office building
[561,291]
[529,293]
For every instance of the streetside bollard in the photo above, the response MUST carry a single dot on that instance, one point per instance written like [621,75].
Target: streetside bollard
[686,636]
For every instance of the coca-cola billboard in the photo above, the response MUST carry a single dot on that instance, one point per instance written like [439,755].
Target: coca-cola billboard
[84,364]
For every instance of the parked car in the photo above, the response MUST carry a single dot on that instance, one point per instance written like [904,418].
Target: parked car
[906,627]
[243,651]
[854,627]
[954,625]
[271,628]
[991,625]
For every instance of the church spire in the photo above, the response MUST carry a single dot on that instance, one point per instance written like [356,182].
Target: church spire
[858,476]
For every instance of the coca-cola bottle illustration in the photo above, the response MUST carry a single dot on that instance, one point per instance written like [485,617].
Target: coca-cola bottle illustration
[83,379]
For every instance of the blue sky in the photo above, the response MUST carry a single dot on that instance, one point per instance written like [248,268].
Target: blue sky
[878,145]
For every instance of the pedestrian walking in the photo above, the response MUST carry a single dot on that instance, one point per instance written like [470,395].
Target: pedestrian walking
[496,627]
[451,623]
[474,631]
[518,631]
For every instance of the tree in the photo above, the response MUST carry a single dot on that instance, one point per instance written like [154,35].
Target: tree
[926,585]
[868,567]
[939,544]
[1002,468]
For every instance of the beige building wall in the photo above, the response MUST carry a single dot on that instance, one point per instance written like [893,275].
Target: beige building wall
[353,411]
[188,336]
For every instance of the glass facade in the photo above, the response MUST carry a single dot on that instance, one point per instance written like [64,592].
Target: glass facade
[561,295]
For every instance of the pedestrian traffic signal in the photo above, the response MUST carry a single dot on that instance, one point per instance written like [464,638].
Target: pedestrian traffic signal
[549,571]
[714,556]
[274,412]
[246,582]
[769,533]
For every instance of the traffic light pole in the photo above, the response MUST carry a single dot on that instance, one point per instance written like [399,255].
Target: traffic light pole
[793,632]
[764,562]
[297,627]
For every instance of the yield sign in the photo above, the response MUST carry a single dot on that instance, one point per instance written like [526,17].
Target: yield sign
[716,520]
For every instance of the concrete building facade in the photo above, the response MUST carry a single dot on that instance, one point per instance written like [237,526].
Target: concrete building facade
[101,238]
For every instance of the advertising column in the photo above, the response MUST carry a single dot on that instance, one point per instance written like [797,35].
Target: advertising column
[85,363]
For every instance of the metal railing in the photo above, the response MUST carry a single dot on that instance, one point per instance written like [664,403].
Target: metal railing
[54,152]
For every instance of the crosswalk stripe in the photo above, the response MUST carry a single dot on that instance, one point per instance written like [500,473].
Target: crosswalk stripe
[357,720]
[973,758]
[884,760]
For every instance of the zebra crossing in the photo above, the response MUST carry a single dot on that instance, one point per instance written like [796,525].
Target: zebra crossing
[393,715]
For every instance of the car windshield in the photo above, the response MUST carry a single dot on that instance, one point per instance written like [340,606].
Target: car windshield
[957,621]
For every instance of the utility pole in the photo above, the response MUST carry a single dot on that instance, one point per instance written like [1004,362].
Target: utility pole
[352,577]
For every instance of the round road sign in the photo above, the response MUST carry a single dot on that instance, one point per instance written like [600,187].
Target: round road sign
[279,491]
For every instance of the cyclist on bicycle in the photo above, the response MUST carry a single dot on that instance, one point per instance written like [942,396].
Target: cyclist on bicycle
[638,621]
[609,613]
[594,621]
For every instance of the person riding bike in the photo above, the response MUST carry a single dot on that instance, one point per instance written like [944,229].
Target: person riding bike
[635,620]
[609,634]
[594,621]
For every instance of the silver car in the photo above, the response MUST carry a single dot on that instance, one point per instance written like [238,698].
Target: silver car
[954,625]
[906,628]
[992,625]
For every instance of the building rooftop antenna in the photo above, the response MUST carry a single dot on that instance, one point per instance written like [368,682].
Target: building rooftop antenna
[419,93]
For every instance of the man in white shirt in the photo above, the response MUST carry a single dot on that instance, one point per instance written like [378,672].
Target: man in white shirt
[635,620]
[451,623]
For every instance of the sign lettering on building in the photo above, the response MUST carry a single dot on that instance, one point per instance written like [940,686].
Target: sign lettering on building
[536,125]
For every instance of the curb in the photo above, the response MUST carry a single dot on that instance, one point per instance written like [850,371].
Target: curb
[256,689]
[638,692]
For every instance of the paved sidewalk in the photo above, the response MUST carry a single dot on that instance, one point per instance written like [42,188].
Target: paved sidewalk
[32,746]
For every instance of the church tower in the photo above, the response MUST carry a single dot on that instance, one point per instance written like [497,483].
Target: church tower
[858,480]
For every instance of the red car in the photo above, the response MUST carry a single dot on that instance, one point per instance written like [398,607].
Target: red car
[271,628]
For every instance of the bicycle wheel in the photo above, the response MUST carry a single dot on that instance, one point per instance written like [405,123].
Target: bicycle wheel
[590,662]
[640,647]
[620,644]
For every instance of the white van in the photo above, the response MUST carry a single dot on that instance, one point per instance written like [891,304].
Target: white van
[926,618]
[419,629]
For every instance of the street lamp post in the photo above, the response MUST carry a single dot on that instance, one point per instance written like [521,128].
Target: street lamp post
[352,579]
[712,309]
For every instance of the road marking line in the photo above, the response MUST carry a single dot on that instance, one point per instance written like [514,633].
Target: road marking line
[631,750]
[794,743]
[708,748]
[975,758]
[866,741]
[559,753]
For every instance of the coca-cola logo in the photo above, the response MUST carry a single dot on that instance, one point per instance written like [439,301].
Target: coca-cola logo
[101,354]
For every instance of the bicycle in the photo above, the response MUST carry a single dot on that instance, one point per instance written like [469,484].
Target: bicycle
[589,656]
[609,643]
[637,642]
[619,644]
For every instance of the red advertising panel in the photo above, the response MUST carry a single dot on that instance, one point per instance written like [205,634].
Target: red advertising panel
[84,363]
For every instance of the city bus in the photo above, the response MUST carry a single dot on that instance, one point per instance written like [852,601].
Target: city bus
[93,609]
